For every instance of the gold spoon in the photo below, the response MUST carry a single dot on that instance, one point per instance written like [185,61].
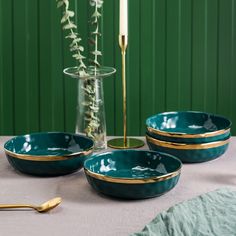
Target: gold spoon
[46,206]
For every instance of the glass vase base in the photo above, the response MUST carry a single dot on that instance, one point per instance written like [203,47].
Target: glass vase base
[118,143]
[99,147]
[90,117]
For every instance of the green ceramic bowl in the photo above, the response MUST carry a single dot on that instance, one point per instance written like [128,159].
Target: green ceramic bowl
[188,127]
[48,154]
[132,174]
[190,153]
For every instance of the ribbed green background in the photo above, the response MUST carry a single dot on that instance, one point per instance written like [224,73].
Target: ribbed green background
[181,56]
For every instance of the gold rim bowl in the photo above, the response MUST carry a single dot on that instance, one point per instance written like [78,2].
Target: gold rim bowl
[225,127]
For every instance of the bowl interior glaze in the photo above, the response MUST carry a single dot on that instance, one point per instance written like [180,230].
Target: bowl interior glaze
[132,164]
[49,144]
[188,122]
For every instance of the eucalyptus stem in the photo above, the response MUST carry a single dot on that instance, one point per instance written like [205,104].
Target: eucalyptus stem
[95,34]
[90,86]
[93,107]
[96,37]
[75,47]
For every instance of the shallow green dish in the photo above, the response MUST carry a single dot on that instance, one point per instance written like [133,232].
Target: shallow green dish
[132,174]
[190,153]
[48,154]
[188,127]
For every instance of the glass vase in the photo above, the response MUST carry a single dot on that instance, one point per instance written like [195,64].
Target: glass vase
[91,118]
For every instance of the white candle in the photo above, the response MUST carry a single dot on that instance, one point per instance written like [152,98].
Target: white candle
[123,17]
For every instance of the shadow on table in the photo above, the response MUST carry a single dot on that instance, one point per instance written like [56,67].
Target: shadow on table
[7,171]
[75,188]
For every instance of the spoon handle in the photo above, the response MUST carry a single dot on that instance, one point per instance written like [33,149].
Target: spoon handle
[4,206]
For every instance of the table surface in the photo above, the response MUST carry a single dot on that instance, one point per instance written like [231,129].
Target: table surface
[84,212]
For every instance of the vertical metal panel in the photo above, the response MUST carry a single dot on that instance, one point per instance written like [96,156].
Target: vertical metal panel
[184,60]
[147,95]
[173,53]
[233,65]
[50,62]
[25,66]
[6,69]
[133,69]
[211,9]
[199,62]
[181,56]
[204,55]
[159,54]
[226,60]
[108,40]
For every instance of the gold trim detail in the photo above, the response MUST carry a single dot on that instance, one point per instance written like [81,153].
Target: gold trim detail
[123,42]
[130,180]
[48,157]
[183,146]
[184,135]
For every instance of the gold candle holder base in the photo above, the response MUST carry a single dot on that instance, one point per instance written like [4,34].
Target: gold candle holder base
[118,143]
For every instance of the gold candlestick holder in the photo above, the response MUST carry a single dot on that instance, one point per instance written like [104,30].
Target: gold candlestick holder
[124,143]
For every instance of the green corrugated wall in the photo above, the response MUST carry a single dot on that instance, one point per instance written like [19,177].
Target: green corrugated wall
[181,56]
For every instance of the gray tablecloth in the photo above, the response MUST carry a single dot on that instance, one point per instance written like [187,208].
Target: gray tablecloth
[84,212]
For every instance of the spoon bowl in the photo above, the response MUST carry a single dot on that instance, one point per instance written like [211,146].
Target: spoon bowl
[47,206]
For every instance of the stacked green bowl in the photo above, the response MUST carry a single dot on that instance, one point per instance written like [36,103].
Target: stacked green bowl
[192,136]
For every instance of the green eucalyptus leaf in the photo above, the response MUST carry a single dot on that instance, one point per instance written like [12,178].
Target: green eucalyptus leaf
[66,2]
[94,108]
[97,53]
[69,26]
[96,3]
[88,113]
[74,46]
[86,103]
[65,17]
[94,22]
[96,14]
[70,13]
[72,35]
[76,40]
[79,57]
[75,55]
[95,31]
[88,118]
[72,49]
[82,66]
[60,4]
[81,48]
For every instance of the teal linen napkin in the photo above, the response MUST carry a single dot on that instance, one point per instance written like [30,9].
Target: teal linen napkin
[212,213]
